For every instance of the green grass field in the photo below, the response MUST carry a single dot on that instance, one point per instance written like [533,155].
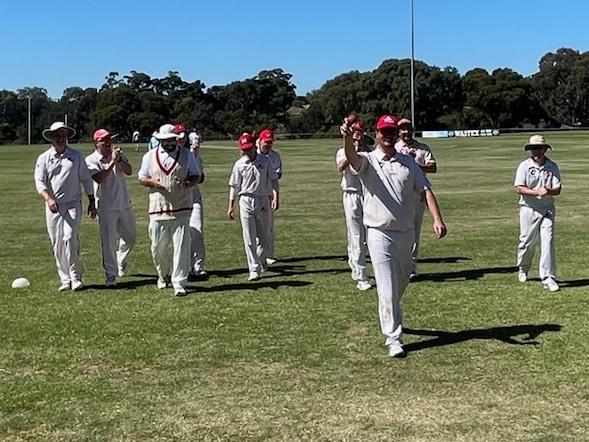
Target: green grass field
[298,355]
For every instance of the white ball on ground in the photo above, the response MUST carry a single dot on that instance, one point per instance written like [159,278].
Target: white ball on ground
[20,283]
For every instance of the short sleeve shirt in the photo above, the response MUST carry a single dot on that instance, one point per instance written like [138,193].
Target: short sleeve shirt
[423,154]
[392,189]
[111,193]
[252,178]
[350,180]
[534,176]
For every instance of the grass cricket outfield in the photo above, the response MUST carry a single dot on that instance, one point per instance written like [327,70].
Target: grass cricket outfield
[298,355]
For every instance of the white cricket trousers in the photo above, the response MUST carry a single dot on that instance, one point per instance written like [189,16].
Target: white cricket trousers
[118,233]
[354,214]
[170,249]
[536,225]
[253,214]
[390,253]
[197,246]
[64,230]
[419,212]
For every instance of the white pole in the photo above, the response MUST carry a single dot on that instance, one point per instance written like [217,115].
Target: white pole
[65,119]
[412,71]
[29,117]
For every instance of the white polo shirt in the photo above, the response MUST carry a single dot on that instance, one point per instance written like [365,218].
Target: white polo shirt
[61,175]
[423,154]
[253,178]
[390,204]
[111,193]
[533,176]
[350,180]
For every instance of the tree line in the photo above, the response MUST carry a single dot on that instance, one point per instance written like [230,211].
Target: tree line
[556,95]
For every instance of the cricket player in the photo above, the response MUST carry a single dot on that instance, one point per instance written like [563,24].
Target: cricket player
[59,172]
[252,179]
[118,231]
[537,181]
[265,145]
[194,139]
[170,173]
[353,202]
[197,244]
[393,185]
[424,158]
[135,139]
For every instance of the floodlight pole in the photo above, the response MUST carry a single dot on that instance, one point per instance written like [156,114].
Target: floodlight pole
[29,118]
[412,70]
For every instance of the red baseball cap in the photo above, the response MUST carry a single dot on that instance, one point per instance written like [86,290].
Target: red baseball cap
[387,121]
[267,135]
[404,122]
[180,129]
[101,134]
[359,126]
[246,141]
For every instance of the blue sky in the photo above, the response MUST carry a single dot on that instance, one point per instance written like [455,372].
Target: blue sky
[58,44]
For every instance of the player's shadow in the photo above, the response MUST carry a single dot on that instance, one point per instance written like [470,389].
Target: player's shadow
[313,258]
[510,334]
[466,275]
[443,260]
[575,283]
[124,285]
[296,270]
[254,285]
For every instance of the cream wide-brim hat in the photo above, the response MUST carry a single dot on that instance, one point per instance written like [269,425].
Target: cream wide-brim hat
[47,133]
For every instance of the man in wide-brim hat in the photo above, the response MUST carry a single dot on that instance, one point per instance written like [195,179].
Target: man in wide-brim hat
[59,171]
[537,181]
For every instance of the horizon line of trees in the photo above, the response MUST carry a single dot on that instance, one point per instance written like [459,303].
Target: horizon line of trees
[556,95]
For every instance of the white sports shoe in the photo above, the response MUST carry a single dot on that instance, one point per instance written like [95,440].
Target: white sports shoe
[354,276]
[180,292]
[161,283]
[522,276]
[254,276]
[396,350]
[77,285]
[270,261]
[363,285]
[551,284]
[63,287]
[123,271]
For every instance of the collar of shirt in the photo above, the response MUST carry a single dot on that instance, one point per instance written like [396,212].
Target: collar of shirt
[172,154]
[382,157]
[54,153]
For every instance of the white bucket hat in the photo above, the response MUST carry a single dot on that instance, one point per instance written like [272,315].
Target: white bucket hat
[47,133]
[166,132]
[535,142]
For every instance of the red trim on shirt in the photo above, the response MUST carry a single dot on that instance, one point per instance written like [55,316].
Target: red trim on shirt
[160,164]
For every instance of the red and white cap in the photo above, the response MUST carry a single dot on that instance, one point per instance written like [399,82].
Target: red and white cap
[101,134]
[246,141]
[387,121]
[180,129]
[267,135]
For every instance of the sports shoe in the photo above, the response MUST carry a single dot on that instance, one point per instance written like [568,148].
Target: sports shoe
[63,287]
[363,285]
[254,276]
[180,292]
[522,276]
[551,284]
[270,261]
[201,273]
[77,285]
[110,282]
[123,271]
[396,350]
[354,276]
[161,283]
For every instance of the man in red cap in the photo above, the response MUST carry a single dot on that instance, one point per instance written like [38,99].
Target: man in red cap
[253,179]
[118,232]
[197,245]
[353,202]
[424,158]
[393,185]
[265,145]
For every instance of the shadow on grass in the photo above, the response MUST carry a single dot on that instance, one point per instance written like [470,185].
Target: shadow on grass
[254,285]
[294,270]
[511,334]
[123,284]
[575,283]
[469,274]
[314,258]
[443,260]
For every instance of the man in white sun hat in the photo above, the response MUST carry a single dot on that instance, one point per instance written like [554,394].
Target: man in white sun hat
[537,181]
[59,172]
[169,172]
[108,167]
[424,158]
